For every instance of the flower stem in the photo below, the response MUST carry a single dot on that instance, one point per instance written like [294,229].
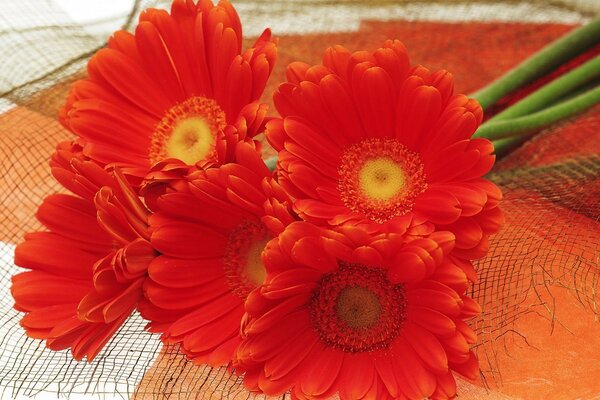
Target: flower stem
[504,146]
[553,91]
[526,124]
[547,59]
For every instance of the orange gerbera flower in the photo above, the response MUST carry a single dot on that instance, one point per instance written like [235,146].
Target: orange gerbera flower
[178,88]
[367,139]
[87,270]
[350,313]
[211,236]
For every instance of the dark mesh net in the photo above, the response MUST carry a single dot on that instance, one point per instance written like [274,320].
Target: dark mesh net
[548,247]
[552,233]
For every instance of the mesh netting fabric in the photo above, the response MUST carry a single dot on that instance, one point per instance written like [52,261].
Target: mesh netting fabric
[551,185]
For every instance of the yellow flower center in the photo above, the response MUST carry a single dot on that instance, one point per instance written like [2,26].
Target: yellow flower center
[188,132]
[381,178]
[191,140]
[242,261]
[255,270]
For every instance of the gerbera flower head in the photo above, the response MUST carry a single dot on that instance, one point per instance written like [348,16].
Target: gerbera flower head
[211,235]
[358,315]
[179,87]
[87,269]
[366,138]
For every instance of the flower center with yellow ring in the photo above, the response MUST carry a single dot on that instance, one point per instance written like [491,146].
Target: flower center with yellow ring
[188,132]
[244,269]
[254,270]
[380,179]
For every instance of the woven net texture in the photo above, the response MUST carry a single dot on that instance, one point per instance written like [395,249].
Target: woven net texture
[538,333]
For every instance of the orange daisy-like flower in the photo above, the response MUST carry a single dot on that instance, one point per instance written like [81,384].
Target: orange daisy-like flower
[87,270]
[180,87]
[367,139]
[211,236]
[346,312]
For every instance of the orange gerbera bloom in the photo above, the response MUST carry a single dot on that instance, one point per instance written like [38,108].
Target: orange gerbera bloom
[87,270]
[367,139]
[178,88]
[350,313]
[211,236]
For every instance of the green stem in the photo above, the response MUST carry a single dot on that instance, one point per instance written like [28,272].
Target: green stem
[578,91]
[553,91]
[506,145]
[544,61]
[516,126]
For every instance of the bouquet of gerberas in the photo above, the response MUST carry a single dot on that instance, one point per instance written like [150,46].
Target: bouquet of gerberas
[340,268]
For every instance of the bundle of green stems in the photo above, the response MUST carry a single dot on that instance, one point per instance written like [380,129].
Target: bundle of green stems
[571,93]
